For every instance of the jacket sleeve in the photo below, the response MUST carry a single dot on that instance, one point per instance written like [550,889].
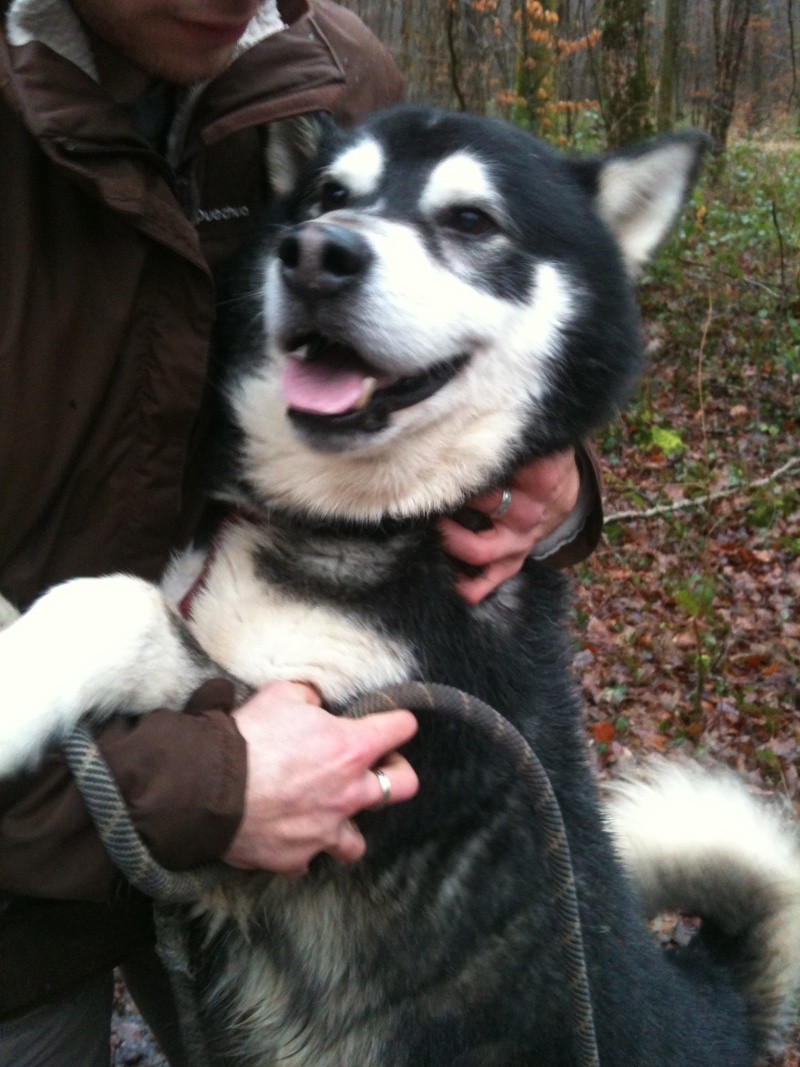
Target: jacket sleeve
[182,776]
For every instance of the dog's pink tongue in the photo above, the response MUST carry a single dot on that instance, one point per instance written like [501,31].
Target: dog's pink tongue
[321,388]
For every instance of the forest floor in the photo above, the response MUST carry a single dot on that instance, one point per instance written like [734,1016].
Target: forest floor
[688,623]
[132,1044]
[688,616]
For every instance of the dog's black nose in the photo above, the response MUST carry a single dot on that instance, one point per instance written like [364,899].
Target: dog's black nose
[320,259]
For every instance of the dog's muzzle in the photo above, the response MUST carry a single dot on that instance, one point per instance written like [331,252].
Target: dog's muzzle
[320,259]
[329,384]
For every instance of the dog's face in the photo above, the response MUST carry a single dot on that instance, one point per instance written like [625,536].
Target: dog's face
[447,299]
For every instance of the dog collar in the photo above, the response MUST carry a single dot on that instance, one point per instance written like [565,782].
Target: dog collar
[236,515]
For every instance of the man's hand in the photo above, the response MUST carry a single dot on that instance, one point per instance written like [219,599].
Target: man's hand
[543,494]
[308,774]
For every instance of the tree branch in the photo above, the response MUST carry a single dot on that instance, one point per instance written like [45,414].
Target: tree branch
[707,498]
[455,64]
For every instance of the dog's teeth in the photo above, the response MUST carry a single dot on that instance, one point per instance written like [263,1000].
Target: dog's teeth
[367,389]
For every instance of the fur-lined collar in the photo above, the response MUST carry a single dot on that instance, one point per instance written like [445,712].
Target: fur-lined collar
[54,23]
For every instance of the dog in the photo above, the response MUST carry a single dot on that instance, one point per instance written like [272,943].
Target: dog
[443,298]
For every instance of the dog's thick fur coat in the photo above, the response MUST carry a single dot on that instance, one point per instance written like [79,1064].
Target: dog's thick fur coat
[446,299]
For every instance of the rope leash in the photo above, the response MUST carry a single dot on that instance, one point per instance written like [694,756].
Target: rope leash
[111,819]
[169,889]
[109,814]
[460,706]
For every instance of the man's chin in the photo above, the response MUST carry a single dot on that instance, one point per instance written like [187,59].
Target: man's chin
[185,72]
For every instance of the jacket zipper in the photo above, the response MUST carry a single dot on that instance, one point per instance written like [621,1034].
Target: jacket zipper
[180,186]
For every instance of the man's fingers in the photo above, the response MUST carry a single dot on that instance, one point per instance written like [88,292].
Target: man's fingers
[308,693]
[400,780]
[482,549]
[474,590]
[350,847]
[457,540]
[548,476]
[543,492]
[380,734]
[303,692]
[524,516]
[486,503]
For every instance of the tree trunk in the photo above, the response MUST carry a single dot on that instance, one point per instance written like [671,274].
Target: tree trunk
[729,41]
[754,78]
[452,23]
[793,97]
[669,74]
[626,84]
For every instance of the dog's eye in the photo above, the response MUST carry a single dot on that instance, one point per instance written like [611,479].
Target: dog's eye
[471,221]
[333,195]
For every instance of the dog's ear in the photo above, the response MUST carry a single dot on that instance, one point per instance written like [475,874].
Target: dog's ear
[292,144]
[640,191]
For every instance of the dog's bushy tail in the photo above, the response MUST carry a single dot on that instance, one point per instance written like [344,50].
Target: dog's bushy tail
[697,841]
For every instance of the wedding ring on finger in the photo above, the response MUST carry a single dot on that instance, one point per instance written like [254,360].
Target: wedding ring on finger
[503,506]
[386,788]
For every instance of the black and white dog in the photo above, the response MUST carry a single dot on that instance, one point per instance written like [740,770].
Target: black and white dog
[447,299]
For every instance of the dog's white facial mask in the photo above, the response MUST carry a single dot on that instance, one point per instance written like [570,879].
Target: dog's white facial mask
[416,325]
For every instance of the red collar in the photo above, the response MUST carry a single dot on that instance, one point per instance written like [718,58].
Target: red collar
[186,602]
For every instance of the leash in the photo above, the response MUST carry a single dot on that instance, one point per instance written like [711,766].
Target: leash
[109,814]
[462,707]
[170,889]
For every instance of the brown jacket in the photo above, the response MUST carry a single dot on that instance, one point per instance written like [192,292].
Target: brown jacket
[106,304]
[107,297]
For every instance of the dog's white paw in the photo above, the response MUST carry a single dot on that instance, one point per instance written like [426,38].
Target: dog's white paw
[8,613]
[92,645]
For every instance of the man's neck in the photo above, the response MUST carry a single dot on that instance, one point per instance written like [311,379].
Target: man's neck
[122,79]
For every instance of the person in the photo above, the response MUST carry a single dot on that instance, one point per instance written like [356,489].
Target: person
[134,136]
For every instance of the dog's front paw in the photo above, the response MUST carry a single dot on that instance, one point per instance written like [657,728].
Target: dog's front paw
[90,645]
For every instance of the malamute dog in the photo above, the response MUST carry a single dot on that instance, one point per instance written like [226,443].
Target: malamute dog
[445,299]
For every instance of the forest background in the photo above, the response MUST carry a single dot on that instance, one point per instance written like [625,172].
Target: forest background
[688,615]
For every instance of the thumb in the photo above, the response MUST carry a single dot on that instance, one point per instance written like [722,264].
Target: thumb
[304,692]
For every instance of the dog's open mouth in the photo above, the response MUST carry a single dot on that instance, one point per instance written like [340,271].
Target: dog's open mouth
[328,385]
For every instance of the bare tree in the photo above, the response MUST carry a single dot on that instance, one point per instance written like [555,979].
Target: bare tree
[626,84]
[670,71]
[535,61]
[793,101]
[730,29]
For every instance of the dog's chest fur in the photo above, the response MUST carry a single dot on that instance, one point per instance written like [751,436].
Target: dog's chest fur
[264,630]
[258,612]
[321,972]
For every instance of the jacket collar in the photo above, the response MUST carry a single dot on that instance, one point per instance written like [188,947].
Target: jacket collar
[49,76]
[54,23]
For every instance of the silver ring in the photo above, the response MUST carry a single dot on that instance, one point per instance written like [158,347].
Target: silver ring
[503,506]
[386,788]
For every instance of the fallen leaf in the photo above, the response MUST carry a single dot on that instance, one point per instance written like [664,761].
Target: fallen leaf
[603,732]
